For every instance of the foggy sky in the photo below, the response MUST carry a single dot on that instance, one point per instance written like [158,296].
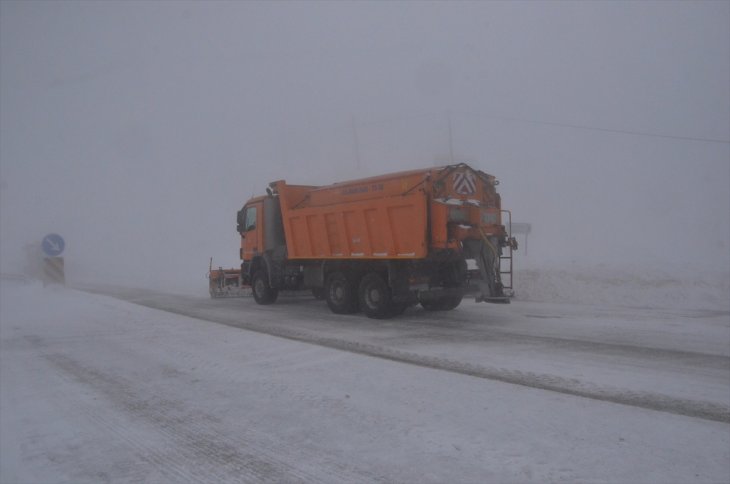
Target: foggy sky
[137,130]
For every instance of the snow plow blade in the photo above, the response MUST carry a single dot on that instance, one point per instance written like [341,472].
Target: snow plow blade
[226,283]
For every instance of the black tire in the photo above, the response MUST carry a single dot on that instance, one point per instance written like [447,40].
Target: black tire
[443,303]
[318,293]
[340,293]
[398,308]
[376,299]
[451,302]
[431,304]
[263,293]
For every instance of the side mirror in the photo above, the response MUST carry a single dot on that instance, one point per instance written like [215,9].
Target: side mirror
[239,221]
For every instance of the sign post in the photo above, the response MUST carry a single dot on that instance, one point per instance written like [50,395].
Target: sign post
[53,267]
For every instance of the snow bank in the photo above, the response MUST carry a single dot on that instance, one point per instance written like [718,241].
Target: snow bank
[624,287]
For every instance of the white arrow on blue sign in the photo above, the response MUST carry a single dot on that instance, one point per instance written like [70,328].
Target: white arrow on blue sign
[53,245]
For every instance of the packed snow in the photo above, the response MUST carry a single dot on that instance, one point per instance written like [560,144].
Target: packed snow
[95,389]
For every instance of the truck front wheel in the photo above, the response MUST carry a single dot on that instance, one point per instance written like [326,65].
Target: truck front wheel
[263,293]
[340,293]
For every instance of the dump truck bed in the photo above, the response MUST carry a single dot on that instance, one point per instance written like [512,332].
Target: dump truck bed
[395,216]
[383,227]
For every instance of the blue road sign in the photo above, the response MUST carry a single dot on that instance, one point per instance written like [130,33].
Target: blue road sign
[53,245]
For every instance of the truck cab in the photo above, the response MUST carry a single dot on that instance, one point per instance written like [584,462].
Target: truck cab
[249,224]
[262,247]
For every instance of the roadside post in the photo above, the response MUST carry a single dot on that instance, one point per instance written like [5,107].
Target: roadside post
[53,265]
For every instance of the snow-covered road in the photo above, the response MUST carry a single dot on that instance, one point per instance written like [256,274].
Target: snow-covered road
[670,360]
[95,389]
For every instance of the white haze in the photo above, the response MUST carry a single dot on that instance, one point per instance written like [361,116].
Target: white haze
[137,130]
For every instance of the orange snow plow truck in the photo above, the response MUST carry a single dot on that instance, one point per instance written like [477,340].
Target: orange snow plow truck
[377,245]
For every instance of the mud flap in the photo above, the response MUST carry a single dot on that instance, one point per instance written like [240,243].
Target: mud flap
[487,258]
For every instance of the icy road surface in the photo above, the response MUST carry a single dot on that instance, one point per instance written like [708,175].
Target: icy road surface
[94,389]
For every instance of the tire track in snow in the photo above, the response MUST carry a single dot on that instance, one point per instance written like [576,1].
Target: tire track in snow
[266,324]
[182,460]
[201,451]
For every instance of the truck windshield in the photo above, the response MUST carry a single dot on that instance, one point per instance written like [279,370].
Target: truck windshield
[250,220]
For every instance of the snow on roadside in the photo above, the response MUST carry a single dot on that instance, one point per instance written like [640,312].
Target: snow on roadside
[645,288]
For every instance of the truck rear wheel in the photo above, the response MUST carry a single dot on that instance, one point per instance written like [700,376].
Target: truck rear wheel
[376,298]
[443,303]
[340,293]
[263,293]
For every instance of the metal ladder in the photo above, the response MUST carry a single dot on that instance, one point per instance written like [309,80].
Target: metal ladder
[509,288]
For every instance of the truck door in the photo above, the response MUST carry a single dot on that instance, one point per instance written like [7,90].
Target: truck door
[252,231]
